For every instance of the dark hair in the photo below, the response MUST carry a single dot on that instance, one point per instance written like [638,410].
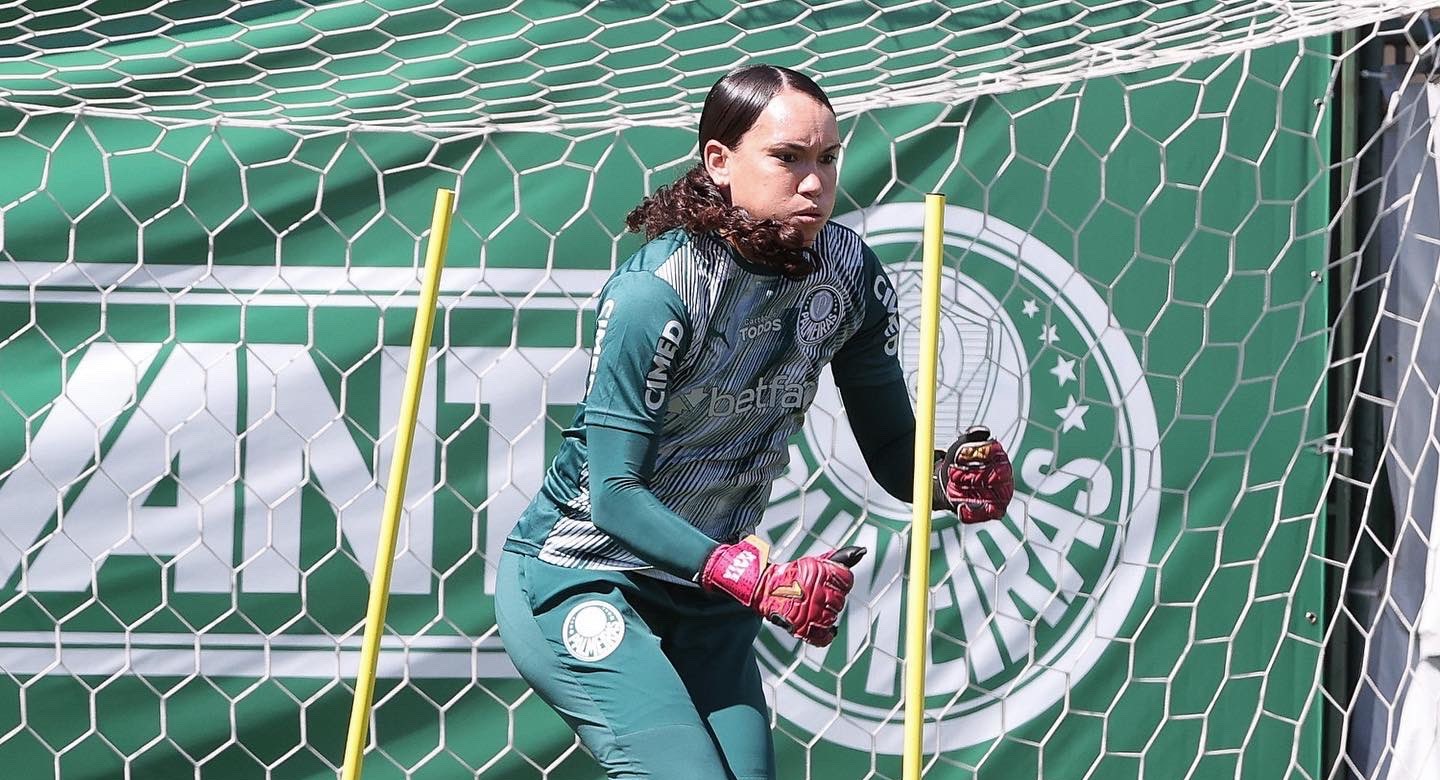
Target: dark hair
[695,203]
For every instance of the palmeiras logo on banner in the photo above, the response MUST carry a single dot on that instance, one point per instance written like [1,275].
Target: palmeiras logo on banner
[1023,606]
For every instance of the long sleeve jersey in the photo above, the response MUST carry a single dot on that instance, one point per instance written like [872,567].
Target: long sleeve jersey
[704,366]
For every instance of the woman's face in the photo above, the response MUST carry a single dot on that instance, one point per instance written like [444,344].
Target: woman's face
[785,166]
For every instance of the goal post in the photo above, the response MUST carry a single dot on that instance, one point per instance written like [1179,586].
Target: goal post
[213,219]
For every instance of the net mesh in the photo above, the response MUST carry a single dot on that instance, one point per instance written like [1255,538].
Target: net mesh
[1171,288]
[472,67]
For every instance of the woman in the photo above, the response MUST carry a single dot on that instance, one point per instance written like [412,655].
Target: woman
[630,591]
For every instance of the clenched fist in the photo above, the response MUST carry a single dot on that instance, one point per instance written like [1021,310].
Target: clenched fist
[974,478]
[803,596]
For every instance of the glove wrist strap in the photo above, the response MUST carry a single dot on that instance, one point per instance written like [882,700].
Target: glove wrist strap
[736,569]
[939,502]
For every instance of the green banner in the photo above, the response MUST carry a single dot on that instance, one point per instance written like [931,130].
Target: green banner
[206,338]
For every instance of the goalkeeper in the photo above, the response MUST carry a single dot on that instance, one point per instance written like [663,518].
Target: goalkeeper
[631,590]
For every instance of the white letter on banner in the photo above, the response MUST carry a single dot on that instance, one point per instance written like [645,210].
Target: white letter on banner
[186,417]
[992,637]
[1038,469]
[517,384]
[293,423]
[102,385]
[876,602]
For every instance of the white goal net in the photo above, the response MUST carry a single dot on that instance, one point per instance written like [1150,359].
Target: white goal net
[1190,281]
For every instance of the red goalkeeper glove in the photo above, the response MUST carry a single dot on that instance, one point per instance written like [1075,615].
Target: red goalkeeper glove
[803,596]
[974,478]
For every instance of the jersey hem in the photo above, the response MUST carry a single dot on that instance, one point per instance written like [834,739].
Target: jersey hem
[528,549]
[643,427]
[870,382]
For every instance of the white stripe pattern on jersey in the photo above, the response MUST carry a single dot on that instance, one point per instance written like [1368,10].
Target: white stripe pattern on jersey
[712,468]
[576,542]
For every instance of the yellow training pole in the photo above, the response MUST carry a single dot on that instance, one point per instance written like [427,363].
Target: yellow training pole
[395,489]
[917,629]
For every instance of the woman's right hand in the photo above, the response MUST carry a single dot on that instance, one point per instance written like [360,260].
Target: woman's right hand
[803,596]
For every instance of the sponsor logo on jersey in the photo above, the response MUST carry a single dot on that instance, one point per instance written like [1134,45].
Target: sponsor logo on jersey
[1030,602]
[756,327]
[885,295]
[780,392]
[602,321]
[657,382]
[820,312]
[592,630]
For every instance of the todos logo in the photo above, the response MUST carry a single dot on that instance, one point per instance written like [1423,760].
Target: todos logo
[1023,606]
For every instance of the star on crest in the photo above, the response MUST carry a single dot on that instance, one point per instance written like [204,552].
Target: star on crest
[1064,370]
[1049,334]
[1030,309]
[1073,415]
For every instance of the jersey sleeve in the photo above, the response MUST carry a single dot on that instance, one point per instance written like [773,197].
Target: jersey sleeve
[641,332]
[871,356]
[624,507]
[884,426]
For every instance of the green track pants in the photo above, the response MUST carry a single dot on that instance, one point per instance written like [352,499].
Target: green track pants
[659,680]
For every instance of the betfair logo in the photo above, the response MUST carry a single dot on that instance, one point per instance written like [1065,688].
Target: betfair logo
[779,392]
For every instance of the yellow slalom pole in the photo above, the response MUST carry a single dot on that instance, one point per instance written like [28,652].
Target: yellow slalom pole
[917,628]
[395,489]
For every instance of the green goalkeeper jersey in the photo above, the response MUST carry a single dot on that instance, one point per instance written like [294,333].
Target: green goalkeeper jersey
[713,361]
